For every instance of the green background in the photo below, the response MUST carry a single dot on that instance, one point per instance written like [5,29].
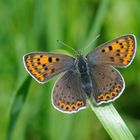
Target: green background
[35,25]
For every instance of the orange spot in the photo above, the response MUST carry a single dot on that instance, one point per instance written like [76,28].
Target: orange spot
[115,46]
[122,50]
[125,45]
[100,97]
[39,67]
[130,51]
[118,86]
[35,60]
[28,63]
[125,62]
[49,72]
[116,89]
[106,49]
[42,70]
[44,60]
[105,98]
[110,95]
[37,56]
[41,78]
[122,55]
[53,59]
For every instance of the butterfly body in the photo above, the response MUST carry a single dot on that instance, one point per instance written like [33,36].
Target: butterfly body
[83,70]
[93,76]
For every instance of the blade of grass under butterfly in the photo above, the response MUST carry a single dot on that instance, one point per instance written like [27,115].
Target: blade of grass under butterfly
[112,122]
[17,105]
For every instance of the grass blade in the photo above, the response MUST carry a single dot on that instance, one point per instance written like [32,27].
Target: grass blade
[17,105]
[112,122]
[98,22]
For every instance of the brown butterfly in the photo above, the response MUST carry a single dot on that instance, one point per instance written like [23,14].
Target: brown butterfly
[93,76]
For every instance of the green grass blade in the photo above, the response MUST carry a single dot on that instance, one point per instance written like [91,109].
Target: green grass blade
[97,23]
[17,105]
[112,122]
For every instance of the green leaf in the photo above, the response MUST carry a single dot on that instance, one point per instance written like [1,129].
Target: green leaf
[112,122]
[17,105]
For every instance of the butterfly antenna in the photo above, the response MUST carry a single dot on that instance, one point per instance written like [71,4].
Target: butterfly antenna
[64,44]
[91,42]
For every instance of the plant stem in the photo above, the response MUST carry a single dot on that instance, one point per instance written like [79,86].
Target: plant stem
[112,122]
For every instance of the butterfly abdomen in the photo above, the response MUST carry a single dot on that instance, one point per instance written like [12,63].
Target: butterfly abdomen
[86,84]
[83,70]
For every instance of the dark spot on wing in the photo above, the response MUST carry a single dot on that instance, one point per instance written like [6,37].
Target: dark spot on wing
[73,107]
[117,90]
[113,94]
[118,50]
[57,59]
[50,59]
[103,50]
[110,48]
[43,65]
[67,108]
[107,97]
[62,106]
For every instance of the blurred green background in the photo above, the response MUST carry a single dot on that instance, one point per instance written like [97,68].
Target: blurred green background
[35,25]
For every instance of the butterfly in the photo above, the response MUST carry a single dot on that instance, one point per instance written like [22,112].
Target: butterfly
[91,77]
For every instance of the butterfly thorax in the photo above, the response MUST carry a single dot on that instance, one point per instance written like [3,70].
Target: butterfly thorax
[83,71]
[81,65]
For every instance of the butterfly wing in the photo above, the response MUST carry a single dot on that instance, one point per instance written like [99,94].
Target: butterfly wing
[118,52]
[108,84]
[43,66]
[68,96]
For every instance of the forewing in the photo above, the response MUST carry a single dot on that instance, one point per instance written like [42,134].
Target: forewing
[43,66]
[68,96]
[118,52]
[108,83]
